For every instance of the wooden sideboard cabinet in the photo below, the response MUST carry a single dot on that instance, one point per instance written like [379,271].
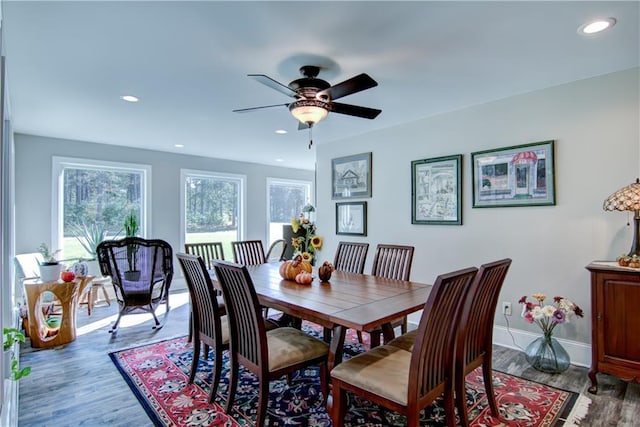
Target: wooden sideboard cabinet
[615,322]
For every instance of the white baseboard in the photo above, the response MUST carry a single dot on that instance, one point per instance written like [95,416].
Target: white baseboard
[9,415]
[579,352]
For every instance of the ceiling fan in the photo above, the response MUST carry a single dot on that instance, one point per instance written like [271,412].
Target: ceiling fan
[314,98]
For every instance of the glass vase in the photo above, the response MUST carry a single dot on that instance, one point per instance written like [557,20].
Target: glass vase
[546,354]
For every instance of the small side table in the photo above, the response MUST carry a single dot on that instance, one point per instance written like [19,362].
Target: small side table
[42,334]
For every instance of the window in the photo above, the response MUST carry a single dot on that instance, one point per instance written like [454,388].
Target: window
[97,195]
[285,199]
[212,208]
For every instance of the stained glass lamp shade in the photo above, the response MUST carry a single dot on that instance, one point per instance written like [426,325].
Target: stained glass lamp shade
[627,199]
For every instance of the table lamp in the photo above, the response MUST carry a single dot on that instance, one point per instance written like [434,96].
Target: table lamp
[627,199]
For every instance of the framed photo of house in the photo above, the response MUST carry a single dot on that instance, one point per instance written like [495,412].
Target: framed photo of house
[436,190]
[522,175]
[351,218]
[351,176]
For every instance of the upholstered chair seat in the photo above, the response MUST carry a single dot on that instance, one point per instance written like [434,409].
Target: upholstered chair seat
[383,370]
[288,346]
[405,341]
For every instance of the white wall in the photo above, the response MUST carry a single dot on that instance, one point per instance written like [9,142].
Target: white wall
[595,125]
[33,164]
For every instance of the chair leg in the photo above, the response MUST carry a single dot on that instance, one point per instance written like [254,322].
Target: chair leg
[155,319]
[233,383]
[114,328]
[263,400]
[405,325]
[195,360]
[339,409]
[359,337]
[217,368]
[449,407]
[461,399]
[488,386]
[324,381]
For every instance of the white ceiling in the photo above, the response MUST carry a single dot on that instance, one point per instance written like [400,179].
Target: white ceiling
[69,62]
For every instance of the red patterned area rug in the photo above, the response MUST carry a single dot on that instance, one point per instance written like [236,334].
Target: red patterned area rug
[158,373]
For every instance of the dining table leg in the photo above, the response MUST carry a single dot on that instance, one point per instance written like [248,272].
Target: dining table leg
[336,346]
[387,332]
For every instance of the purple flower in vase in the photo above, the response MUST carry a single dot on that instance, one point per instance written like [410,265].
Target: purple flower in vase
[558,316]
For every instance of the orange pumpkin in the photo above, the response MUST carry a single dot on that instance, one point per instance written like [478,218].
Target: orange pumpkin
[304,278]
[290,269]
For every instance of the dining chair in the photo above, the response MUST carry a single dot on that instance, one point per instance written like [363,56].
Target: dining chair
[248,252]
[276,251]
[210,325]
[267,354]
[141,271]
[475,337]
[351,256]
[407,381]
[391,262]
[208,251]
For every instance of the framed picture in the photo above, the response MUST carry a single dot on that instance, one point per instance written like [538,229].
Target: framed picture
[436,189]
[351,218]
[351,176]
[522,175]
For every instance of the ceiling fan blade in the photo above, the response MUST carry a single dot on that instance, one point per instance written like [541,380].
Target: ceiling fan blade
[354,84]
[354,110]
[244,110]
[268,81]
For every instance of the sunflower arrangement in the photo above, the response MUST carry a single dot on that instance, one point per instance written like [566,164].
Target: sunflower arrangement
[308,242]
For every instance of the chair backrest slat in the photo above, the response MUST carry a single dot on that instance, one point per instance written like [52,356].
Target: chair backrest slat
[248,252]
[393,261]
[432,355]
[243,309]
[351,256]
[208,251]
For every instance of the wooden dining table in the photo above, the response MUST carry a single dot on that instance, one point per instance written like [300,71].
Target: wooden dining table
[348,300]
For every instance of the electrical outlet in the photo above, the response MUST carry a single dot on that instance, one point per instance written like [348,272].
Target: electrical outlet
[506,308]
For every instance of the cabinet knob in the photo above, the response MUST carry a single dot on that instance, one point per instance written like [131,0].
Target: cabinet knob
[599,317]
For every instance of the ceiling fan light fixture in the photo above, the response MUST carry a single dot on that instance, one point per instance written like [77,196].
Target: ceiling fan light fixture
[309,111]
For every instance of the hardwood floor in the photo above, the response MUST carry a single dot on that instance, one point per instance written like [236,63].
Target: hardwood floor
[78,385]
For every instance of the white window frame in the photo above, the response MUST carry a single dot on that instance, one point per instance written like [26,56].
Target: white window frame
[271,181]
[184,173]
[59,164]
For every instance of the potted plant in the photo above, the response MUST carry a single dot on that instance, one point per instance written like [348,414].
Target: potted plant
[10,336]
[89,235]
[131,230]
[50,267]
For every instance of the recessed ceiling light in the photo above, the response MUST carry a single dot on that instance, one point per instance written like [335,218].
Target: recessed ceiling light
[597,26]
[129,98]
[281,131]
[279,159]
[178,145]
